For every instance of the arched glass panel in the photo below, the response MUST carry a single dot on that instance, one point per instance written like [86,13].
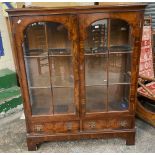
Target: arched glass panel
[119,35]
[107,51]
[49,68]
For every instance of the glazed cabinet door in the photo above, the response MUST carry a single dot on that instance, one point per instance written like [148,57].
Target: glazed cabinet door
[50,60]
[106,51]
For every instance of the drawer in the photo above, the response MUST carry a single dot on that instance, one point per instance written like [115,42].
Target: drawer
[113,123]
[56,127]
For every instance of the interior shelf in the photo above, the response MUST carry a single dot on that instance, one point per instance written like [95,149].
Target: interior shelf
[51,52]
[120,48]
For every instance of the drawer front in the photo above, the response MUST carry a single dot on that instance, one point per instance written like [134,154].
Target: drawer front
[56,127]
[102,124]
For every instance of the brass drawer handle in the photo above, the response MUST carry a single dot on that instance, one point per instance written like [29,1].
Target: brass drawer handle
[123,123]
[92,124]
[38,128]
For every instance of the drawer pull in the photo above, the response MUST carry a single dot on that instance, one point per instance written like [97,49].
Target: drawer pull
[123,123]
[38,128]
[92,124]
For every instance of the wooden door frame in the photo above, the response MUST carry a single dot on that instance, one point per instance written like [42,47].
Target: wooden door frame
[18,25]
[132,18]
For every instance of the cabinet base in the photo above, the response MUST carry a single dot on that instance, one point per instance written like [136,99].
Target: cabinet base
[33,140]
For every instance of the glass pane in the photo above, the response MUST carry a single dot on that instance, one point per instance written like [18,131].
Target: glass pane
[97,37]
[48,60]
[37,70]
[96,98]
[35,40]
[96,69]
[119,35]
[107,61]
[62,71]
[44,37]
[118,97]
[41,100]
[119,68]
[58,41]
[63,100]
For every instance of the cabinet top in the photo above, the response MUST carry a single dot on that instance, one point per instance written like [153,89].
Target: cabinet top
[75,9]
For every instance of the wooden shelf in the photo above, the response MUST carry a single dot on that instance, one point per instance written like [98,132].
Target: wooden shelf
[51,87]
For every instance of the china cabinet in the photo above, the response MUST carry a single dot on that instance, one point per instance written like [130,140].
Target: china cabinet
[78,69]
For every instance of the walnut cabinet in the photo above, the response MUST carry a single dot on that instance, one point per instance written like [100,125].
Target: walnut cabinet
[78,70]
